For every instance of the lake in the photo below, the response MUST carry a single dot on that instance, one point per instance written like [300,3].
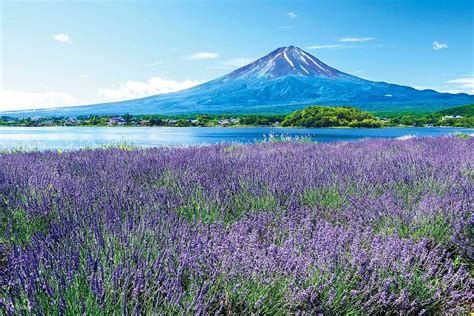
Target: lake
[80,137]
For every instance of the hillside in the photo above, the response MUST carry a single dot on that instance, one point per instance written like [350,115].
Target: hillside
[326,116]
[465,110]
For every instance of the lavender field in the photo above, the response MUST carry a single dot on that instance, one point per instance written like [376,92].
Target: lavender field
[367,227]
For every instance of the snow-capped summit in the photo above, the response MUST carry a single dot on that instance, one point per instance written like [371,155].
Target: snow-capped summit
[285,61]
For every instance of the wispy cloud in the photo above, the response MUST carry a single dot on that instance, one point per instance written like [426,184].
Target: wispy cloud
[292,15]
[439,45]
[153,64]
[239,62]
[463,84]
[232,63]
[286,27]
[325,46]
[63,38]
[203,55]
[139,89]
[218,67]
[356,39]
[21,100]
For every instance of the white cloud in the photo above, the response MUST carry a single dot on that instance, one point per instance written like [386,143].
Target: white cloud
[325,46]
[84,76]
[463,84]
[203,55]
[453,91]
[356,39]
[292,15]
[438,45]
[63,38]
[467,82]
[420,87]
[137,89]
[21,100]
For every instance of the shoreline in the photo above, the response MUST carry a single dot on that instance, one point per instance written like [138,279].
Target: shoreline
[233,127]
[70,138]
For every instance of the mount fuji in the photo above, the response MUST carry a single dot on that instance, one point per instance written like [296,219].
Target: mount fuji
[285,80]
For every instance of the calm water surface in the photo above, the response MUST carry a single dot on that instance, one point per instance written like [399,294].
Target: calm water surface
[80,137]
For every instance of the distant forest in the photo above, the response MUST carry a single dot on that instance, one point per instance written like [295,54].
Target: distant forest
[461,116]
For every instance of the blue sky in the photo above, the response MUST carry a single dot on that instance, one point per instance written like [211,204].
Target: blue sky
[80,52]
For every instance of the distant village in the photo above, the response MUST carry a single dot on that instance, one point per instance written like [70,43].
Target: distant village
[136,121]
[117,120]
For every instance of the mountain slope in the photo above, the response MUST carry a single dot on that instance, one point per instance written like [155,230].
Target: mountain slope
[287,79]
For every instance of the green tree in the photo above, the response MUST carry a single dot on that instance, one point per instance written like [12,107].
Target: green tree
[329,116]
